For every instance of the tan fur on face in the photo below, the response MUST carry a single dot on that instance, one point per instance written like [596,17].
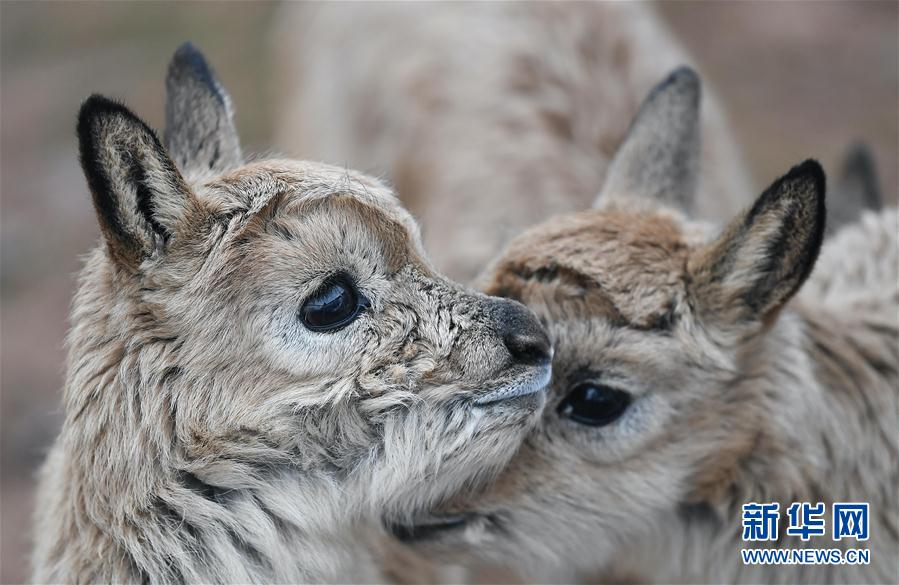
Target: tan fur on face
[801,407]
[620,264]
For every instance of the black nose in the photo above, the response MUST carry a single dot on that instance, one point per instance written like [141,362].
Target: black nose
[522,334]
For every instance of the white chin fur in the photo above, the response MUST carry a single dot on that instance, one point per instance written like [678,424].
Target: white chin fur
[533,381]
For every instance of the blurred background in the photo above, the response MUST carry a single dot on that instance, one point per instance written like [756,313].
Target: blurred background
[795,78]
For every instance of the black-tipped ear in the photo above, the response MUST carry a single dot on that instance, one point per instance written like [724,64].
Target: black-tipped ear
[856,190]
[139,195]
[199,119]
[659,157]
[764,256]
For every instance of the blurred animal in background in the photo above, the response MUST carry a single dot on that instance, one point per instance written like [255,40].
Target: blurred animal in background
[262,362]
[490,117]
[857,189]
[695,370]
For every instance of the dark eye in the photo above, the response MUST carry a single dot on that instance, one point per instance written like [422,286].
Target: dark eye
[334,305]
[594,404]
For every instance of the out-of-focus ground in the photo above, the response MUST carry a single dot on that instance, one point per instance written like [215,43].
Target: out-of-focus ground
[798,79]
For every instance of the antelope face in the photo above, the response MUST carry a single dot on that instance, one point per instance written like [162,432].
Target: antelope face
[638,393]
[285,319]
[657,325]
[338,332]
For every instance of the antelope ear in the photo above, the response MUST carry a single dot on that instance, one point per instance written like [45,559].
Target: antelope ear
[659,157]
[856,190]
[199,120]
[139,195]
[764,256]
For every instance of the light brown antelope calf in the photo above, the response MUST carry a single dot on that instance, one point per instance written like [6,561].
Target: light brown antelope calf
[690,378]
[488,117]
[261,361]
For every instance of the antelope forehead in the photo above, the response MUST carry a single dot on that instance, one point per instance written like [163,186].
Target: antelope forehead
[643,297]
[374,225]
[256,185]
[624,268]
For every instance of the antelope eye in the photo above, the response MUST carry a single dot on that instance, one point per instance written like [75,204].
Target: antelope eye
[333,306]
[594,404]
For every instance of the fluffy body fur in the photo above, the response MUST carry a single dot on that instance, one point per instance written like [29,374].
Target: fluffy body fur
[209,435]
[488,117]
[739,391]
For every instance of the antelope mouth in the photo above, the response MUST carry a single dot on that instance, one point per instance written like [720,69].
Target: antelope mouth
[533,381]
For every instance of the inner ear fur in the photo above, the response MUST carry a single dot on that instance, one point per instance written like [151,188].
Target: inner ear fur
[659,157]
[762,258]
[138,194]
[200,132]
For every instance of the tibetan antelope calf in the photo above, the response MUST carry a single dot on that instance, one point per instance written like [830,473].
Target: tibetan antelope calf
[693,374]
[261,361]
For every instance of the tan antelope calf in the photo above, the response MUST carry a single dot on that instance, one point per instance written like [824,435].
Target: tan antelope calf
[690,378]
[261,361]
[488,117]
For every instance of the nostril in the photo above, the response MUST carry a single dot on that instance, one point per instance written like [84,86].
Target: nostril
[528,347]
[522,334]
